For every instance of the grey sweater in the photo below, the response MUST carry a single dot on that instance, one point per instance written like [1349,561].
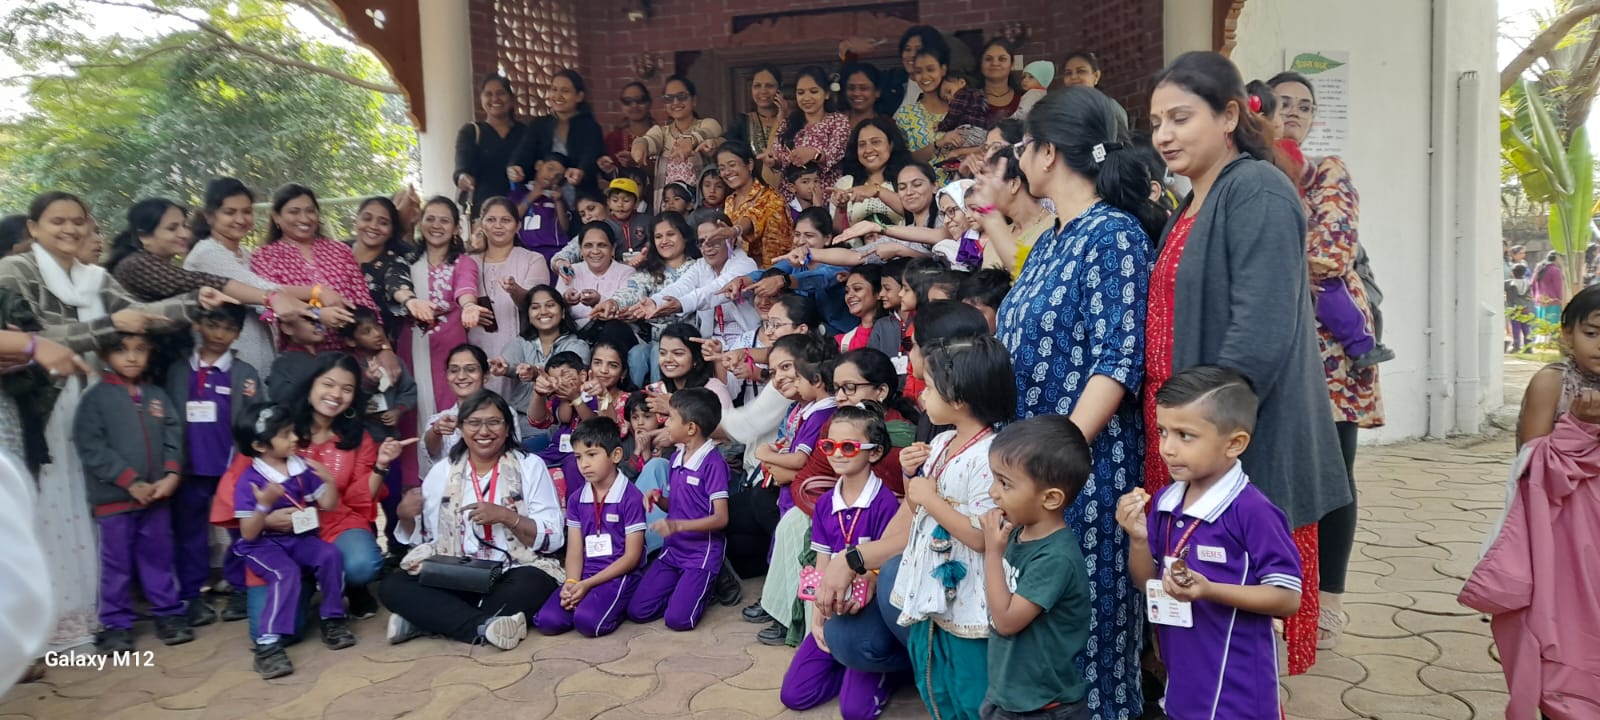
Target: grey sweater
[121,442]
[1244,302]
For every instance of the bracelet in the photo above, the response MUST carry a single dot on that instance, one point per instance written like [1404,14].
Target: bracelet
[380,470]
[316,296]
[33,344]
[571,581]
[515,523]
[264,510]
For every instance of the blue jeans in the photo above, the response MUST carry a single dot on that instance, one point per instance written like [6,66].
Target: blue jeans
[871,640]
[256,602]
[362,561]
[642,367]
[654,476]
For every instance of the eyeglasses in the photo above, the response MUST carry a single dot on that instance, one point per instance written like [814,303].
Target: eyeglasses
[847,448]
[635,100]
[1288,104]
[676,97]
[850,388]
[1022,145]
[463,370]
[775,324]
[492,424]
[950,212]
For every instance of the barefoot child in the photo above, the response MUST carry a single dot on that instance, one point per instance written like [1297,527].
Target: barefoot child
[605,518]
[1214,558]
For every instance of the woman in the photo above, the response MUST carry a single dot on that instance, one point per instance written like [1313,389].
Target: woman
[759,128]
[917,187]
[222,224]
[81,307]
[696,291]
[549,330]
[491,501]
[450,277]
[468,368]
[380,246]
[142,259]
[1074,329]
[508,272]
[1000,89]
[811,135]
[761,224]
[676,150]
[1332,246]
[667,258]
[1018,219]
[298,253]
[485,148]
[899,86]
[569,129]
[876,152]
[1082,69]
[1235,252]
[861,92]
[635,101]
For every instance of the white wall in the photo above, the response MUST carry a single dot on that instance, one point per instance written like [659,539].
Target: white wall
[1404,65]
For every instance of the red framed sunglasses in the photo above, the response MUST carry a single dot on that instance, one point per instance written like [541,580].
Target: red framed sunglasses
[847,448]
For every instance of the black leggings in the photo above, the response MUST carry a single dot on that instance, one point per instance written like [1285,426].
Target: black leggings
[752,519]
[1336,532]
[458,615]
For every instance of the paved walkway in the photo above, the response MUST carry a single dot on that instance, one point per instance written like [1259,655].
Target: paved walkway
[1411,653]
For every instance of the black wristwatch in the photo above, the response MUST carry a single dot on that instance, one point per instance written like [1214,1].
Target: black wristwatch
[852,557]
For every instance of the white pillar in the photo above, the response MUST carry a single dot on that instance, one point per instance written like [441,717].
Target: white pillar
[1185,27]
[447,88]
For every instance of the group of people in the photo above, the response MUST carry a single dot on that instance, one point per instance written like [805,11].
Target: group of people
[965,387]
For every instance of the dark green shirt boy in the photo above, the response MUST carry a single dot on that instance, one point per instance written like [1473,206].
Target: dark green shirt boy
[1036,668]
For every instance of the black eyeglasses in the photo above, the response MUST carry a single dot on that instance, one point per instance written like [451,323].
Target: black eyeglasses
[850,388]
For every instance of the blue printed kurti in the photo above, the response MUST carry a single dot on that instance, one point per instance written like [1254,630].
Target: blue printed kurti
[1078,310]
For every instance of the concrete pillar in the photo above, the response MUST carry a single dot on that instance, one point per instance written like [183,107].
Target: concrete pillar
[1185,27]
[447,88]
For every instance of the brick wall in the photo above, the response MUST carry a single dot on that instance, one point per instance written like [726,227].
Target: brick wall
[1127,36]
[480,15]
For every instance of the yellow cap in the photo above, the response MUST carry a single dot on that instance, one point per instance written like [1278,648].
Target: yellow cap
[624,184]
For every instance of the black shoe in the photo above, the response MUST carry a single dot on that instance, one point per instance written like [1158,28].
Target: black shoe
[336,633]
[1378,354]
[728,590]
[238,607]
[174,630]
[756,614]
[272,661]
[113,640]
[359,603]
[199,613]
[774,634]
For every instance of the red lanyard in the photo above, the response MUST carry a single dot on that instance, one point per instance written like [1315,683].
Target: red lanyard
[721,324]
[494,480]
[1182,547]
[947,458]
[599,514]
[849,535]
[298,488]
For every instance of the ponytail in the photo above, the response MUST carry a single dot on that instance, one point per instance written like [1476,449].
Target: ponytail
[1082,125]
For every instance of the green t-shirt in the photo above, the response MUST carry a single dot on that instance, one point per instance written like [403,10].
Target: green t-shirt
[1036,667]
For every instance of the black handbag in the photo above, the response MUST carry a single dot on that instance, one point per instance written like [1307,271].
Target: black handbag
[461,574]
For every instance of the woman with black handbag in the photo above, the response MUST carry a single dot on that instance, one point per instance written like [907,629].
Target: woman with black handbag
[480,526]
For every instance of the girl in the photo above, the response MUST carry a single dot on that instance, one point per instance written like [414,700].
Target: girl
[676,150]
[570,129]
[940,585]
[271,501]
[449,279]
[857,509]
[696,290]
[874,157]
[1552,391]
[924,280]
[811,135]
[862,287]
[667,258]
[677,197]
[599,277]
[1014,219]
[381,248]
[643,424]
[508,272]
[549,331]
[683,365]
[484,148]
[713,190]
[608,373]
[932,116]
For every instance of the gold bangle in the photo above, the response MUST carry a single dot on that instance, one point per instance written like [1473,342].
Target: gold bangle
[571,581]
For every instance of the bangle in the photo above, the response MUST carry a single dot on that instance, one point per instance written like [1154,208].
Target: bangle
[571,581]
[380,469]
[515,523]
[33,344]
[316,296]
[264,510]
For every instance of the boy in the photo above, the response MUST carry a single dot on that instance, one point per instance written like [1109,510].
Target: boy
[1036,583]
[679,583]
[639,446]
[555,388]
[985,290]
[1210,529]
[1036,79]
[132,451]
[298,359]
[606,519]
[805,188]
[208,392]
[622,199]
[543,206]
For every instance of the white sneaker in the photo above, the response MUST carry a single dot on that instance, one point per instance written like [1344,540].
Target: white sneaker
[506,631]
[400,629]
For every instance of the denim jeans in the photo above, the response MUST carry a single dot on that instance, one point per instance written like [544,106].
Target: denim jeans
[654,476]
[642,367]
[871,640]
[362,561]
[256,602]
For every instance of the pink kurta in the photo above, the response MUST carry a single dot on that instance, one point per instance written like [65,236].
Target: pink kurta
[335,267]
[447,283]
[529,269]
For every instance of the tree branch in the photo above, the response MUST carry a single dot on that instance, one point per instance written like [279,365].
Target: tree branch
[326,16]
[1545,42]
[1581,88]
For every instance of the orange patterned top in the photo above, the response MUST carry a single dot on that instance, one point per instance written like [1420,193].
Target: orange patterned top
[774,231]
[1332,212]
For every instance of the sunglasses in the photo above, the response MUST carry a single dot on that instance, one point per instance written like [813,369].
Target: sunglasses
[847,448]
[676,97]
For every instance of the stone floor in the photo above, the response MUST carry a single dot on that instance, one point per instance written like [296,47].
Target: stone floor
[1411,652]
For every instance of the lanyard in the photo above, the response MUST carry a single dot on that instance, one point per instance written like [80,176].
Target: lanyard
[721,323]
[946,458]
[599,514]
[849,535]
[494,480]
[200,379]
[291,498]
[1182,547]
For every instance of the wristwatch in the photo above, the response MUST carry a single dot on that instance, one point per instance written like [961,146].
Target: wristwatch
[852,557]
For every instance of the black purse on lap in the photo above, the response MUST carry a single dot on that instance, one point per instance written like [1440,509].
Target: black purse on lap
[461,574]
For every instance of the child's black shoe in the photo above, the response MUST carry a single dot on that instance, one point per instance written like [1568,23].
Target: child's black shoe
[174,630]
[238,607]
[727,588]
[199,613]
[336,633]
[113,640]
[272,661]
[359,603]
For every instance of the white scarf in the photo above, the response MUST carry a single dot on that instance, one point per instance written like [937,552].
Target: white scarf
[79,287]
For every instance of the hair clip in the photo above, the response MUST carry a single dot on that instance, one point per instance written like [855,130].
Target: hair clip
[1099,153]
[833,83]
[1255,104]
[262,420]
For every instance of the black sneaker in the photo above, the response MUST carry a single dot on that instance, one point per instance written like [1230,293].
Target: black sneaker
[199,613]
[727,588]
[359,603]
[113,640]
[774,634]
[238,607]
[272,661]
[336,633]
[754,613]
[1378,354]
[174,630]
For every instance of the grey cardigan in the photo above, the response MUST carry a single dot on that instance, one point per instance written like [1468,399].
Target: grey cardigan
[1244,302]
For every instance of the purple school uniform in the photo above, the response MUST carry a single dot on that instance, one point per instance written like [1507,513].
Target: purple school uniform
[620,514]
[813,418]
[541,229]
[679,582]
[280,558]
[1229,661]
[814,677]
[210,443]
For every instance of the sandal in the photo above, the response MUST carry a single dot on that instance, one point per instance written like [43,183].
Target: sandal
[1330,628]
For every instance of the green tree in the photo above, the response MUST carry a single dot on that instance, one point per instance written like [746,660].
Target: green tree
[124,118]
[1553,168]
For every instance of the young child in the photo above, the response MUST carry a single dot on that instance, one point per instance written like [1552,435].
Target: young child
[131,445]
[713,189]
[276,501]
[298,358]
[391,398]
[605,518]
[677,197]
[940,586]
[544,209]
[1035,579]
[985,290]
[643,425]
[804,188]
[925,279]
[622,199]
[800,364]
[857,510]
[553,409]
[1036,79]
[1557,388]
[679,583]
[208,392]
[608,369]
[1214,558]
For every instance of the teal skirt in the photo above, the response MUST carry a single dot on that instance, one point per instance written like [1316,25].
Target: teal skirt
[952,673]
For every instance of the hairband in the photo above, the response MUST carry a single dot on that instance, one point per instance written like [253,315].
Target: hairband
[1100,150]
[1255,104]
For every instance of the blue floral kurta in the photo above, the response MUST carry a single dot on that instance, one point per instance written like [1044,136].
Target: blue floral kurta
[1078,310]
